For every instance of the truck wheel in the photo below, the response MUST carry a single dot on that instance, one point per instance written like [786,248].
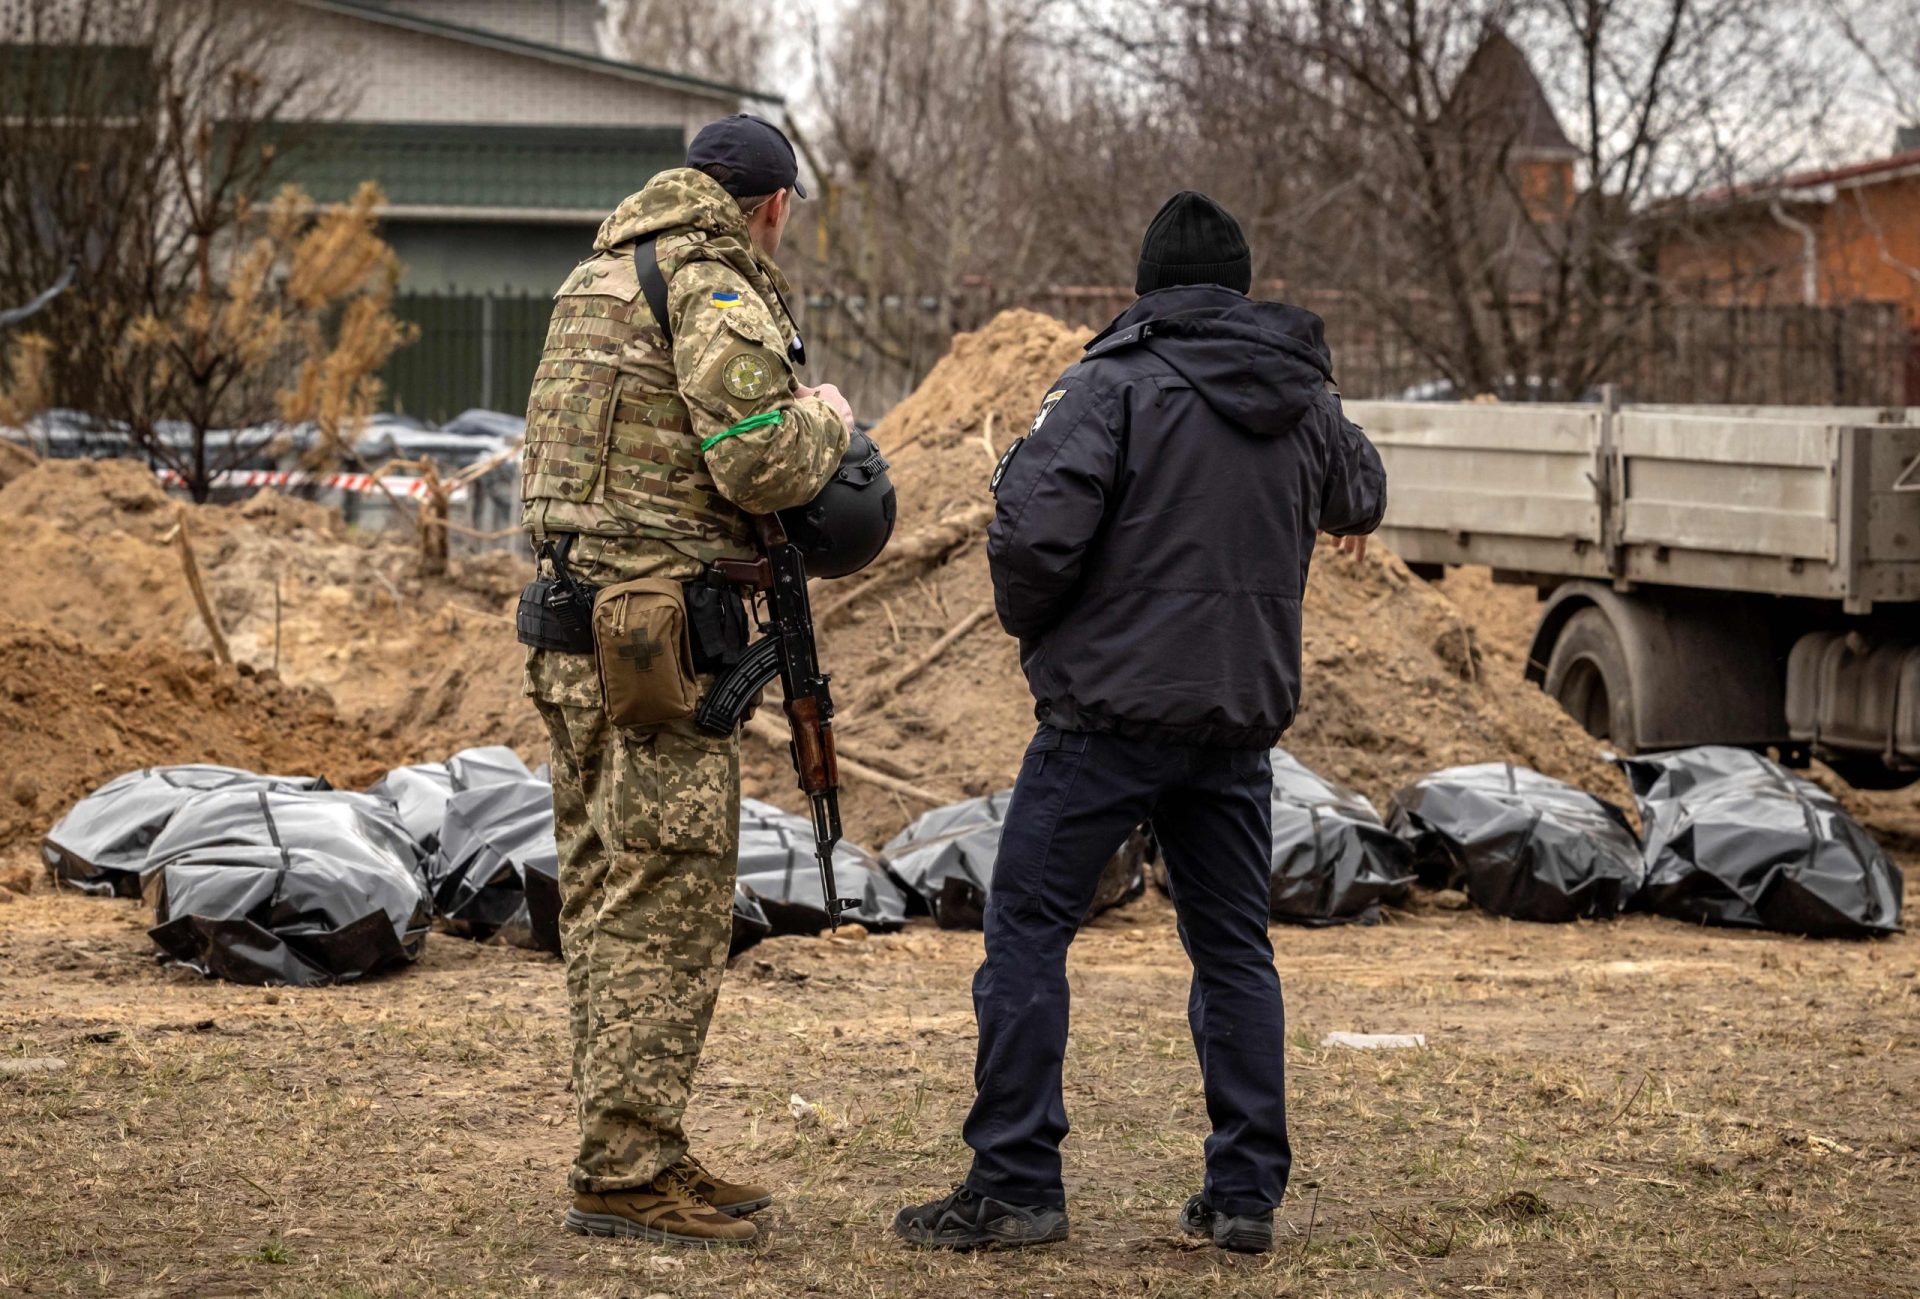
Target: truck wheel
[1863,772]
[1587,674]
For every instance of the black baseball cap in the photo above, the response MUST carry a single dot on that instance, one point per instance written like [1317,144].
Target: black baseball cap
[757,155]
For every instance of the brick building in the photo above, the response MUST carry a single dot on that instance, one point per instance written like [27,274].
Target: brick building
[1844,234]
[1839,237]
[1500,111]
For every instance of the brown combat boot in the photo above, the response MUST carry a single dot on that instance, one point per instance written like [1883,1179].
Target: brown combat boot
[669,1211]
[736,1199]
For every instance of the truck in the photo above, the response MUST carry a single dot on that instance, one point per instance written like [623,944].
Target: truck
[1746,576]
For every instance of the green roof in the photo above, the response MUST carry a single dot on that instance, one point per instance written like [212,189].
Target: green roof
[433,164]
[379,13]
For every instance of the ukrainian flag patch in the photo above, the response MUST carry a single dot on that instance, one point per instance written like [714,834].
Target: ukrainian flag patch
[724,299]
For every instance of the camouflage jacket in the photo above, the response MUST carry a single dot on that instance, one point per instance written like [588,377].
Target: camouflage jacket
[657,455]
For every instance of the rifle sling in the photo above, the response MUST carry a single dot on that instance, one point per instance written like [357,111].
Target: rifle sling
[653,285]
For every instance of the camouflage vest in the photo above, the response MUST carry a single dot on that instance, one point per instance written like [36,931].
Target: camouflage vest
[610,448]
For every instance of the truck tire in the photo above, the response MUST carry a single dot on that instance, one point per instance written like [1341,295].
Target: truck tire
[1588,676]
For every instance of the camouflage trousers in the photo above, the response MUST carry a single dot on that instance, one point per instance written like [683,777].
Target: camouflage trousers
[648,825]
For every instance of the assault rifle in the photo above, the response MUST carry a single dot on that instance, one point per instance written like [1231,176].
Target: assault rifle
[786,649]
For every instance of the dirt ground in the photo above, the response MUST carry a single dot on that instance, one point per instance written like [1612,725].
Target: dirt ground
[1622,1109]
[1636,1108]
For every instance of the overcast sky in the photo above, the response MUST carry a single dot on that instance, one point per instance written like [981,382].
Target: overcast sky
[1863,124]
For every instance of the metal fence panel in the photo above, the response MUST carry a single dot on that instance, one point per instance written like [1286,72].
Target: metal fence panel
[519,333]
[481,349]
[440,375]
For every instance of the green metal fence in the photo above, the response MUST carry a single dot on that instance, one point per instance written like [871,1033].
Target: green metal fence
[473,350]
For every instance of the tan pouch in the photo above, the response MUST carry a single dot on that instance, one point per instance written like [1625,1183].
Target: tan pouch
[646,661]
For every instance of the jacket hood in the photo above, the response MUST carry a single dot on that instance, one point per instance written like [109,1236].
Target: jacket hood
[679,199]
[1260,365]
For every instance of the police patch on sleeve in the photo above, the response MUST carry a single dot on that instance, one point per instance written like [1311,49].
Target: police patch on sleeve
[1046,409]
[747,376]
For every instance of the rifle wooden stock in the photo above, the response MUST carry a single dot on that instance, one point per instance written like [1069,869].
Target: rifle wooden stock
[756,573]
[813,757]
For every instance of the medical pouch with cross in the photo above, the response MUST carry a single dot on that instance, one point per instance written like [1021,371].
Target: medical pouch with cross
[645,659]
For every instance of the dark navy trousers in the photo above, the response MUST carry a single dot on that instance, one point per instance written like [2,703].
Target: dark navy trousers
[1077,798]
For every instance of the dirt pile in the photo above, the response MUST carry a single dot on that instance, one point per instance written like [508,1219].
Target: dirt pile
[1397,682]
[14,461]
[72,717]
[431,665]
[995,375]
[960,727]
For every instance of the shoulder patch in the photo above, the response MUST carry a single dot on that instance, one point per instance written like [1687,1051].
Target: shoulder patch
[724,299]
[747,376]
[1046,408]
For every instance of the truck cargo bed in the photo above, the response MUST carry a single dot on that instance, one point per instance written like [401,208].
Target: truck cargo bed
[1814,502]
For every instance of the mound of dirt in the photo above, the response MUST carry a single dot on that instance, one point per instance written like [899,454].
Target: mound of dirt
[958,729]
[14,461]
[75,717]
[1396,680]
[984,391]
[431,665]
[461,684]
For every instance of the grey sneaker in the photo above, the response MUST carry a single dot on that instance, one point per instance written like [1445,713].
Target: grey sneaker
[1241,1233]
[964,1220]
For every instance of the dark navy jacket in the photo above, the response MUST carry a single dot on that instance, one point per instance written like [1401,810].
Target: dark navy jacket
[1152,532]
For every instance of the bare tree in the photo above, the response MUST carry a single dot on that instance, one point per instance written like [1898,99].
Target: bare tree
[144,148]
[23,357]
[1885,36]
[1425,173]
[966,164]
[78,139]
[731,42]
[921,124]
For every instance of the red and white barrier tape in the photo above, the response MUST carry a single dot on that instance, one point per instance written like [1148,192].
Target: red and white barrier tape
[359,484]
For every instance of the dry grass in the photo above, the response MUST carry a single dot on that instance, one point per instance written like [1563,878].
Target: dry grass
[1629,1109]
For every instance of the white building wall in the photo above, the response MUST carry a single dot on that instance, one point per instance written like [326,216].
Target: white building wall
[568,23]
[392,75]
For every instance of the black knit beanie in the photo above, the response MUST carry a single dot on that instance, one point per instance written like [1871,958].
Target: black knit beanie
[1193,240]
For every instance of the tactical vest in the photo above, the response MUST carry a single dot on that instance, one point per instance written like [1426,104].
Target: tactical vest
[610,448]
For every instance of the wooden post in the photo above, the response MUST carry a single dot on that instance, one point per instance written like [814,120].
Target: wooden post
[192,568]
[433,522]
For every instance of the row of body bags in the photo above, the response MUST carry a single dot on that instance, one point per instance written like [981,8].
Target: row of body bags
[261,878]
[1730,838]
[280,879]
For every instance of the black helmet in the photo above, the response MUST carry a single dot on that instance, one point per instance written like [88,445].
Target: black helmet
[847,525]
